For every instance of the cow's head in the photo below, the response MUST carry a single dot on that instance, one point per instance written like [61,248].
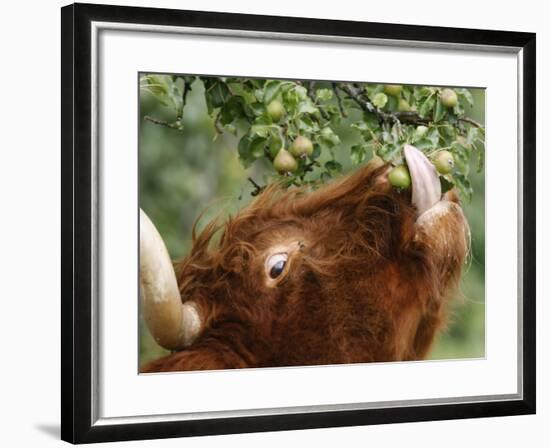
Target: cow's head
[352,272]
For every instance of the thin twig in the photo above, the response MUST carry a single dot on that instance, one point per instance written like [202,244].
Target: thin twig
[307,168]
[217,126]
[162,122]
[470,121]
[339,100]
[309,89]
[186,90]
[357,95]
[257,188]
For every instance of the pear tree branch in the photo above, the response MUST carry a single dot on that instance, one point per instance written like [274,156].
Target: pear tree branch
[360,97]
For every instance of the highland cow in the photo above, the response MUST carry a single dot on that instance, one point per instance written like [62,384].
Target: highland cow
[353,272]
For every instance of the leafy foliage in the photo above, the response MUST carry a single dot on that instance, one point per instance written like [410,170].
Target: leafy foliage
[184,174]
[268,115]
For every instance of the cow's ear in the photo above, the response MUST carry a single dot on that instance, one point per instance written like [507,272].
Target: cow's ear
[380,176]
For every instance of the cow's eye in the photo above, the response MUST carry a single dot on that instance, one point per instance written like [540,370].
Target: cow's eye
[276,264]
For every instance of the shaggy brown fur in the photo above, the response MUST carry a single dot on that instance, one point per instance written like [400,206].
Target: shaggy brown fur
[368,283]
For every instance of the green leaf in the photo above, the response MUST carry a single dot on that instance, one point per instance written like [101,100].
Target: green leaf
[371,120]
[475,138]
[361,126]
[250,148]
[316,151]
[256,109]
[439,112]
[433,136]
[395,132]
[271,90]
[305,107]
[241,89]
[480,160]
[464,187]
[328,137]
[301,91]
[358,154]
[419,133]
[379,100]
[461,157]
[458,109]
[275,145]
[226,115]
[255,83]
[257,147]
[387,137]
[333,166]
[373,89]
[306,124]
[392,103]
[164,89]
[429,142]
[407,94]
[465,95]
[290,99]
[452,119]
[426,106]
[260,130]
[219,94]
[231,129]
[423,93]
[244,151]
[334,112]
[324,94]
[154,84]
[448,133]
[259,95]
[424,145]
[263,119]
[263,130]
[472,135]
[391,151]
[446,184]
[232,110]
[176,97]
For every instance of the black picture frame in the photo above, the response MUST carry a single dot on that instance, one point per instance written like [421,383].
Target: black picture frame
[77,425]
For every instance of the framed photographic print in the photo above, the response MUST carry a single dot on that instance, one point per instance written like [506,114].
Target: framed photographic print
[274,223]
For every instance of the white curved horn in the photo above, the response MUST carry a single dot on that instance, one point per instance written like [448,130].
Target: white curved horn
[173,325]
[426,187]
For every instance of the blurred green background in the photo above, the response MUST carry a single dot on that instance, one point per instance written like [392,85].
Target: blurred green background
[181,173]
